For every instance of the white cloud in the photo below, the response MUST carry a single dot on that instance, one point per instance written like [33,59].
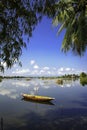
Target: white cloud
[34,72]
[68,69]
[37,70]
[61,69]
[36,67]
[46,68]
[73,69]
[41,72]
[32,62]
[23,71]
[60,73]
[49,72]
[54,68]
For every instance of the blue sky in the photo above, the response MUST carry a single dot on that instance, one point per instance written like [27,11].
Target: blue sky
[43,56]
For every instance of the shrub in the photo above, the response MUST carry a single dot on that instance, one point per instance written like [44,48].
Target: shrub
[83,80]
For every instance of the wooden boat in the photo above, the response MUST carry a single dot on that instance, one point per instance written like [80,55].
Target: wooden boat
[37,98]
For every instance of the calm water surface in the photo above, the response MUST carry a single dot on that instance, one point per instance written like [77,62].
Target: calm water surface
[67,112]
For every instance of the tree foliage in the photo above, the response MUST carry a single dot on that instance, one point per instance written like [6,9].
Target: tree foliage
[83,74]
[72,15]
[83,78]
[17,18]
[20,17]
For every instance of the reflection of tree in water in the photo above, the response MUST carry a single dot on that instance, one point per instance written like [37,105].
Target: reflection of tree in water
[1,123]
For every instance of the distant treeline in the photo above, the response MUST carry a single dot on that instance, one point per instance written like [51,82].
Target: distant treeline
[66,76]
[11,77]
[82,77]
[70,76]
[43,77]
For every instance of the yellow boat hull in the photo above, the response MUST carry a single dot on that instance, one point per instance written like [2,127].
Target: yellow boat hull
[37,98]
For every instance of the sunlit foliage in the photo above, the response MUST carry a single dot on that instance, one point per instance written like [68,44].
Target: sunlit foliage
[72,15]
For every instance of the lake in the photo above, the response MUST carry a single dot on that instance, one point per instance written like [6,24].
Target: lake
[67,112]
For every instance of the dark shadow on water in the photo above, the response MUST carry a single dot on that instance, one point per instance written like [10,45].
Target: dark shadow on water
[1,123]
[69,119]
[81,103]
[65,119]
[38,102]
